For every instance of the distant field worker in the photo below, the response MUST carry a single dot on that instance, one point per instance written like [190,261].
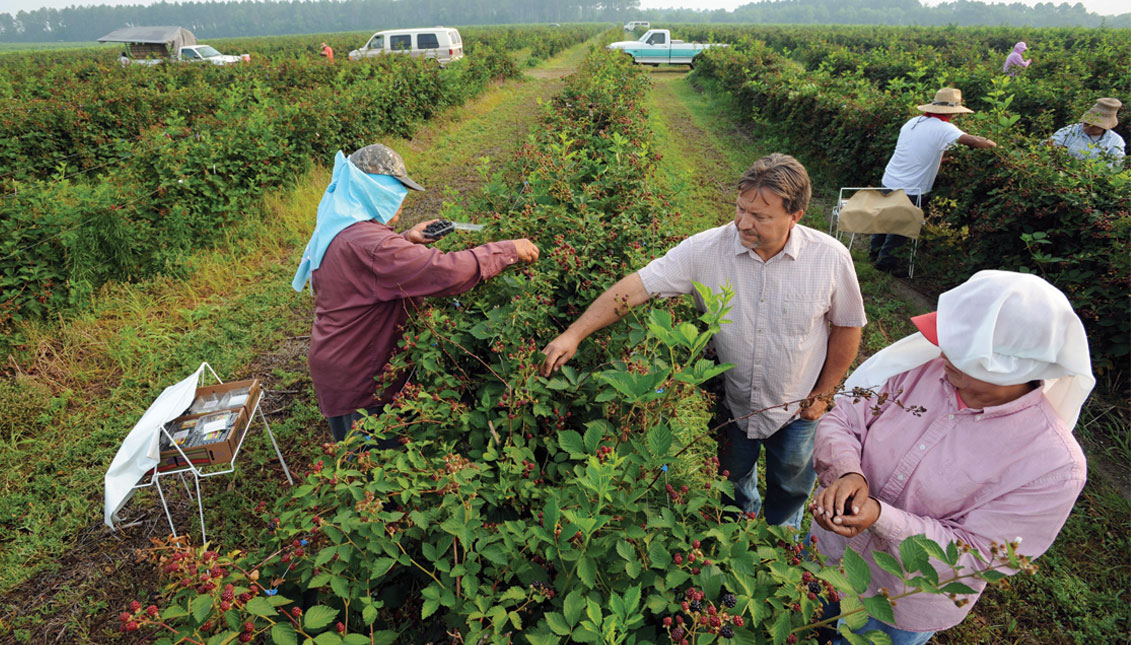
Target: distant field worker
[327,51]
[1093,135]
[915,164]
[1002,369]
[1015,60]
[367,278]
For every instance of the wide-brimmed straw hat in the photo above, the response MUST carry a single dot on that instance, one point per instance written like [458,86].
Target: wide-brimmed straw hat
[1103,114]
[948,100]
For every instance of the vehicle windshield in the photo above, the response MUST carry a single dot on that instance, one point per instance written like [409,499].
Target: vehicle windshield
[641,38]
[207,51]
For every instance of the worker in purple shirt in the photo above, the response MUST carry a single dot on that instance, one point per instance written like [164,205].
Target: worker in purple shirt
[367,279]
[1000,372]
[1015,59]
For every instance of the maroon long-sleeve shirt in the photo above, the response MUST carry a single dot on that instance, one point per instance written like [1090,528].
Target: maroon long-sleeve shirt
[362,293]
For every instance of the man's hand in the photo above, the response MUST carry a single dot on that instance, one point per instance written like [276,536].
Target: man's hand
[842,497]
[527,251]
[558,352]
[816,408]
[416,233]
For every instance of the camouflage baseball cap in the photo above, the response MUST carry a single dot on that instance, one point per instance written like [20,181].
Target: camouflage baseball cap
[378,159]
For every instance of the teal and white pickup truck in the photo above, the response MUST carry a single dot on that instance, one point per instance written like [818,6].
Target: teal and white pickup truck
[656,47]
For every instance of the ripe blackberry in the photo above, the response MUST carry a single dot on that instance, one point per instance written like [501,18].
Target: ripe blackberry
[726,632]
[729,601]
[695,605]
[814,587]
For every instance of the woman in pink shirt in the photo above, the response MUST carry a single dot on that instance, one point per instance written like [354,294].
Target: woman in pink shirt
[1002,369]
[1015,59]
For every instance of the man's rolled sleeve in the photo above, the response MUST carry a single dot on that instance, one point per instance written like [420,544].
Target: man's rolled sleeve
[671,274]
[846,308]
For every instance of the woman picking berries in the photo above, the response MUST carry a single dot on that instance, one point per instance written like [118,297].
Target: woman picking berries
[969,440]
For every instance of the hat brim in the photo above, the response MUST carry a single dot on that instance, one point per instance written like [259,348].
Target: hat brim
[408,182]
[1107,123]
[928,326]
[944,109]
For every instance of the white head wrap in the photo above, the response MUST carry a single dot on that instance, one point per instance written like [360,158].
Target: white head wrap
[1004,328]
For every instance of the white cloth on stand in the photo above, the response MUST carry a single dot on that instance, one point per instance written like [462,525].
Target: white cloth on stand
[141,452]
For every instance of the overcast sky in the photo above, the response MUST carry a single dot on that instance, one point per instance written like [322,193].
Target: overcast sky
[1105,7]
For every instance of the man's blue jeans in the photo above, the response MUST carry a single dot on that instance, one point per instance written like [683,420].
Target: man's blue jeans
[789,468]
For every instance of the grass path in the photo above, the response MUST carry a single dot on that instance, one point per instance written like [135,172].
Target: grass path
[1076,596]
[83,382]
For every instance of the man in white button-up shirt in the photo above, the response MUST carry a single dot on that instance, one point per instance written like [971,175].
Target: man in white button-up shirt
[797,322]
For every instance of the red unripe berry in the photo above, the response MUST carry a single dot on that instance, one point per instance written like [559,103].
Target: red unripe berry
[695,544]
[245,637]
[131,626]
[791,639]
[667,621]
[151,610]
[706,563]
[711,610]
[225,605]
[796,606]
[678,559]
[341,628]
[135,605]
[248,627]
[300,552]
[812,596]
[679,620]
[296,612]
[124,617]
[695,571]
[715,622]
[738,621]
[686,607]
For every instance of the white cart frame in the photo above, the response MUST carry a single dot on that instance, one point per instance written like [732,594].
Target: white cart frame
[834,221]
[197,472]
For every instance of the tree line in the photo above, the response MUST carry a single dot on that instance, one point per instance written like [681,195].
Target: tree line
[252,18]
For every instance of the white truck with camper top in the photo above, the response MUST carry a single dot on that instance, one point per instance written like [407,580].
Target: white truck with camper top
[153,45]
[656,47]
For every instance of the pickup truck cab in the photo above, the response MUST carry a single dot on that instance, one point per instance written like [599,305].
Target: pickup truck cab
[656,47]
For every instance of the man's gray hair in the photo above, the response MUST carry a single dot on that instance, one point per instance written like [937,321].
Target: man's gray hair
[782,175]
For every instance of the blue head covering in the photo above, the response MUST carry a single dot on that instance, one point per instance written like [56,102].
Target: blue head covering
[352,196]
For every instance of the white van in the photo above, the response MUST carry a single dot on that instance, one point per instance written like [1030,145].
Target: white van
[441,43]
[632,25]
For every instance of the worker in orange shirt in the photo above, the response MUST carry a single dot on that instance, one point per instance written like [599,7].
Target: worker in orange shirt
[327,51]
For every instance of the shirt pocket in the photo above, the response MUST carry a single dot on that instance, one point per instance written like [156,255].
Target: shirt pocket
[799,316]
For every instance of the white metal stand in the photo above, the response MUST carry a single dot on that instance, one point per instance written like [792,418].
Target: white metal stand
[198,474]
[834,223]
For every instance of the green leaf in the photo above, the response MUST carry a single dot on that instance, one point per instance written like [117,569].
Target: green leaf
[202,606]
[385,637]
[632,599]
[956,587]
[913,556]
[587,571]
[781,628]
[572,606]
[325,555]
[318,617]
[369,614]
[951,554]
[659,441]
[594,432]
[283,634]
[857,569]
[876,637]
[879,608]
[888,563]
[430,606]
[279,601]
[258,606]
[557,623]
[355,639]
[659,556]
[625,550]
[570,441]
[174,611]
[851,637]
[848,604]
[341,587]
[327,638]
[222,637]
[992,575]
